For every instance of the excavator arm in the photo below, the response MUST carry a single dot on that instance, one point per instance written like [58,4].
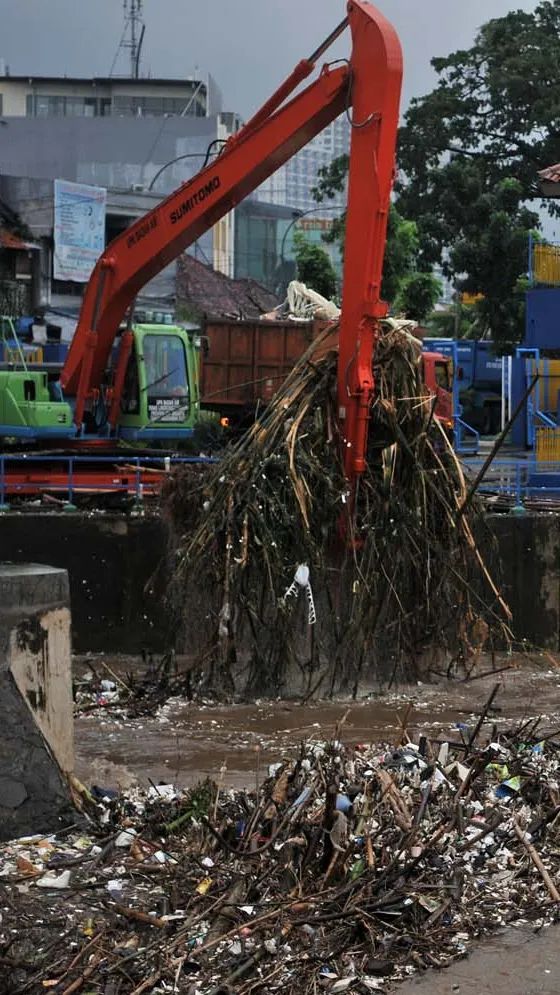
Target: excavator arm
[368,88]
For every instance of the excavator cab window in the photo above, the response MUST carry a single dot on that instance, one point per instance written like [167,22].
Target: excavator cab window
[167,384]
[130,399]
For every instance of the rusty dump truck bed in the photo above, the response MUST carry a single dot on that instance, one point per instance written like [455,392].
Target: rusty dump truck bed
[244,362]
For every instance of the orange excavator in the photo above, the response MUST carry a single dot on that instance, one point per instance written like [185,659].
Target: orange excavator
[367,87]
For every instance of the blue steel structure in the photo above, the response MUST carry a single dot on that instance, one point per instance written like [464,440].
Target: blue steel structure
[542,335]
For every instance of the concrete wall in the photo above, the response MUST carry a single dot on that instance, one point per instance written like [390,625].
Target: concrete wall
[111,559]
[108,152]
[529,555]
[14,97]
[40,661]
[36,709]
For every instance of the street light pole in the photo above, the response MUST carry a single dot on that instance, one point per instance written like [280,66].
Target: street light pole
[297,216]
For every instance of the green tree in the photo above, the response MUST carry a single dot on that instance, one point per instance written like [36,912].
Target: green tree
[314,267]
[478,227]
[401,255]
[402,247]
[496,103]
[418,295]
[458,321]
[470,152]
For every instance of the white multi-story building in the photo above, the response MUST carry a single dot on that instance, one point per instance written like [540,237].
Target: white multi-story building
[292,185]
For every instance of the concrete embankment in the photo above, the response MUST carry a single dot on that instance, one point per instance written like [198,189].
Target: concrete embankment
[36,730]
[117,584]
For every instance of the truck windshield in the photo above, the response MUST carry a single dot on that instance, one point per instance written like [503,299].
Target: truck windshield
[442,375]
[167,384]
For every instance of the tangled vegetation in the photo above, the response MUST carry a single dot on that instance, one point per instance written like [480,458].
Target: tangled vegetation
[392,575]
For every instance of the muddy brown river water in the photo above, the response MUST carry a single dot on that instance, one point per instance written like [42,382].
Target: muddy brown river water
[187,742]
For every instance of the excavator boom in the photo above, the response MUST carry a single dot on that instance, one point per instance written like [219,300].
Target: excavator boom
[368,89]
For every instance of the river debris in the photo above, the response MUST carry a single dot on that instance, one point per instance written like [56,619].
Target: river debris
[140,692]
[344,869]
[388,577]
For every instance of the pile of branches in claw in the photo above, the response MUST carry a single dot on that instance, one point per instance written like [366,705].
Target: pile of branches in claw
[283,584]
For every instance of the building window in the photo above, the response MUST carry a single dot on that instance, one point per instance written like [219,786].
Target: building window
[43,105]
[50,106]
[23,266]
[74,107]
[46,105]
[132,106]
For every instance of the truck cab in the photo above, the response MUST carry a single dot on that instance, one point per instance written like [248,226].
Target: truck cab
[437,371]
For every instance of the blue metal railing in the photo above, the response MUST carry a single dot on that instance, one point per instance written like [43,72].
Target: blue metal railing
[69,468]
[518,478]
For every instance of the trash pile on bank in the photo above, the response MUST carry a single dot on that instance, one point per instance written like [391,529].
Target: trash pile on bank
[343,870]
[283,584]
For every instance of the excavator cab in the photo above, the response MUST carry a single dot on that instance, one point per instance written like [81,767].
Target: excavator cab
[30,409]
[159,399]
[160,396]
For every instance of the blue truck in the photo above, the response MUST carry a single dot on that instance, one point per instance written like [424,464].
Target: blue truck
[477,379]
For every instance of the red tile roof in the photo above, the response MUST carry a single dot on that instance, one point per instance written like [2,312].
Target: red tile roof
[211,293]
[551,173]
[10,241]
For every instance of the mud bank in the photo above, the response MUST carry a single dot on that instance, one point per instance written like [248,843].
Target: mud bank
[520,962]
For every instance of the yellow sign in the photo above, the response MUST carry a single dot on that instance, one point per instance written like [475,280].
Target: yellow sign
[546,264]
[548,445]
[315,224]
[469,299]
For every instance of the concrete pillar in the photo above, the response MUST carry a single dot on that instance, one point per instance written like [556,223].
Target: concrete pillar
[36,712]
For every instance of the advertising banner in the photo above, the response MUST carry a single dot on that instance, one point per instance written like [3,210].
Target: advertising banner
[79,229]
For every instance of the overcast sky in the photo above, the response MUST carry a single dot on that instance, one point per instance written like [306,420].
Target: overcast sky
[247,45]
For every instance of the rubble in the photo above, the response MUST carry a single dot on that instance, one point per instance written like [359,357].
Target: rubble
[344,869]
